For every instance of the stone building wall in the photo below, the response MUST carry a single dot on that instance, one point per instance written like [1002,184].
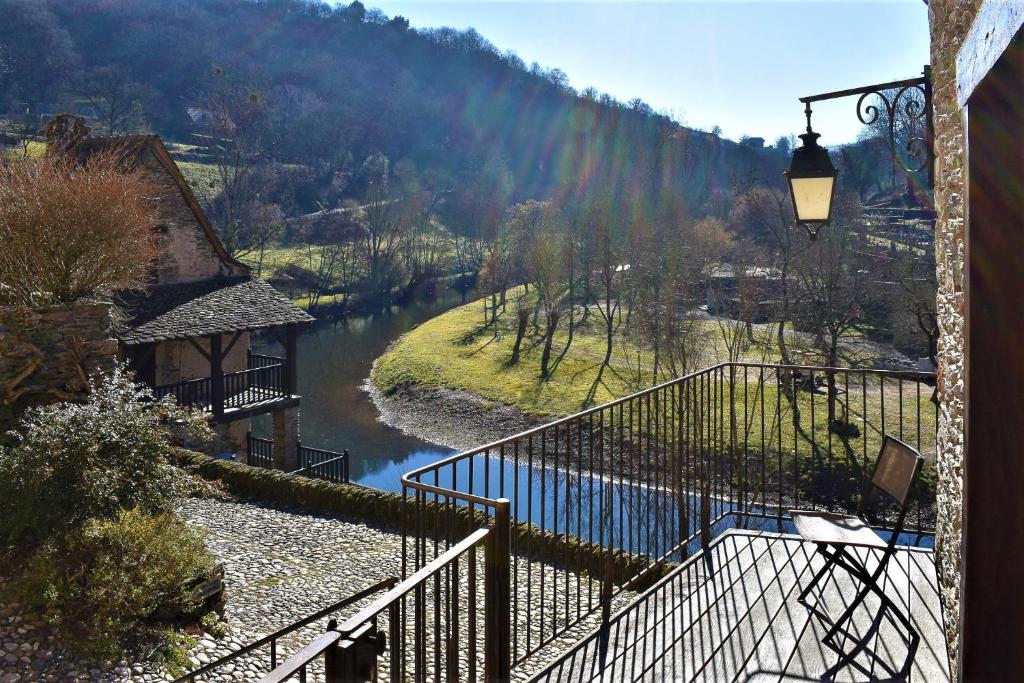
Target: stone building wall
[950,22]
[49,354]
[186,253]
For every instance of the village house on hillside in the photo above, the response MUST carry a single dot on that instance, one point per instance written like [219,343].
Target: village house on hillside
[188,333]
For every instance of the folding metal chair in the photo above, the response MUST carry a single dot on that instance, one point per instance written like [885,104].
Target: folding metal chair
[895,472]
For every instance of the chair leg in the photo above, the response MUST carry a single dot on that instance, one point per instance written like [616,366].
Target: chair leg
[829,562]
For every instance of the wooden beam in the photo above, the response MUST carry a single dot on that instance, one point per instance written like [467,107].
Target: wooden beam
[200,349]
[231,344]
[217,374]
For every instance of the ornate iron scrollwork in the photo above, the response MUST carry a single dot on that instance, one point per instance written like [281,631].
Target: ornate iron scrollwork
[907,108]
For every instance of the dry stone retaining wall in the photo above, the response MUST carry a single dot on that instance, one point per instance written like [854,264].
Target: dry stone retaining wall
[49,354]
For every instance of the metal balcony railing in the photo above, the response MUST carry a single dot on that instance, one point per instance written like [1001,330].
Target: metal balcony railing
[613,497]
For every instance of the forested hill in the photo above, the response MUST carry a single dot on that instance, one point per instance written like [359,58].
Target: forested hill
[338,84]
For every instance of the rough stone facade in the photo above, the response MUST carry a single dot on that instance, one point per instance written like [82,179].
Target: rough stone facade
[186,252]
[286,439]
[950,21]
[49,354]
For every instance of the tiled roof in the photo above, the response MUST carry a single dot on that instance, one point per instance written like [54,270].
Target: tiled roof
[206,307]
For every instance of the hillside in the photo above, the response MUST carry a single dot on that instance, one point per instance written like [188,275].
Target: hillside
[339,84]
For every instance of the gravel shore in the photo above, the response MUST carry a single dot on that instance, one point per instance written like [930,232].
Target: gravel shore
[449,417]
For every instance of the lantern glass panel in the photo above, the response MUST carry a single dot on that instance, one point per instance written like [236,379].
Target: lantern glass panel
[812,197]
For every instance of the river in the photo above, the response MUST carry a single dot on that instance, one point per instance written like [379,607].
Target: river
[335,358]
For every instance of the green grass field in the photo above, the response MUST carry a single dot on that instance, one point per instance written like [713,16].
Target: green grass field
[202,178]
[454,351]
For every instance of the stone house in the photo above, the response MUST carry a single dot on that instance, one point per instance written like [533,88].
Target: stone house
[188,334]
[977,57]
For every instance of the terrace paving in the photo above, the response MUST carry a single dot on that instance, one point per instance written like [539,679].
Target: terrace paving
[731,614]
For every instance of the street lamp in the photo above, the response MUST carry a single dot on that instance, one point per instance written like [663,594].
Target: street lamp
[812,182]
[812,176]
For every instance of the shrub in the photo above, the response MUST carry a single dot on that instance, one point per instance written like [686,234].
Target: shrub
[70,230]
[113,584]
[72,462]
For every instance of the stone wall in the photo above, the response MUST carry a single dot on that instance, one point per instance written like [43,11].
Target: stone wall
[950,22]
[186,253]
[49,354]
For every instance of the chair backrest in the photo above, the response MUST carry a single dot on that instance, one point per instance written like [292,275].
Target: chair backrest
[896,469]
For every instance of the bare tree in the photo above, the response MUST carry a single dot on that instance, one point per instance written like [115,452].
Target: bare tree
[71,230]
[547,265]
[234,125]
[832,287]
[766,216]
[331,254]
[383,228]
[116,98]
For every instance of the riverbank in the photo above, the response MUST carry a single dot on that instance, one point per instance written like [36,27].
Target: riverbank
[447,417]
[456,365]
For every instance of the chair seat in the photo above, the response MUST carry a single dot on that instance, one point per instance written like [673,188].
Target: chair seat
[829,527]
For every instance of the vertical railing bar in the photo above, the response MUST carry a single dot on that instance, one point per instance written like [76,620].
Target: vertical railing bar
[529,543]
[501,470]
[471,609]
[900,386]
[590,507]
[438,608]
[579,513]
[515,541]
[542,527]
[556,486]
[568,508]
[633,488]
[916,403]
[795,410]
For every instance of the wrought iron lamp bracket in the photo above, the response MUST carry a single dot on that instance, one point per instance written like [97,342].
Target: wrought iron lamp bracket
[894,101]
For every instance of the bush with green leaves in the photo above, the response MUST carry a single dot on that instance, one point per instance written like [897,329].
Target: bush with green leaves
[86,522]
[72,462]
[115,584]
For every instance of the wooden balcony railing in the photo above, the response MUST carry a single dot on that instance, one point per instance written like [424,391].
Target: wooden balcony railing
[315,463]
[264,380]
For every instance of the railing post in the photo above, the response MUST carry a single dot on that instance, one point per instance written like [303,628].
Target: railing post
[216,375]
[497,592]
[345,467]
[291,362]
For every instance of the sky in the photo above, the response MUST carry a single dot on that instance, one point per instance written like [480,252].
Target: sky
[737,65]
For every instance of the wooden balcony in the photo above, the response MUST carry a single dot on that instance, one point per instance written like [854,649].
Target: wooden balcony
[262,387]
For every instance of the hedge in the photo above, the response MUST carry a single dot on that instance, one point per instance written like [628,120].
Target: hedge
[279,487]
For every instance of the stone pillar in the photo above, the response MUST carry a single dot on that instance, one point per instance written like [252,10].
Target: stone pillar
[236,433]
[286,439]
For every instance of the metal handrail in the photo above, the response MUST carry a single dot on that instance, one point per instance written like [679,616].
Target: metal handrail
[315,469]
[321,643]
[406,478]
[709,474]
[280,633]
